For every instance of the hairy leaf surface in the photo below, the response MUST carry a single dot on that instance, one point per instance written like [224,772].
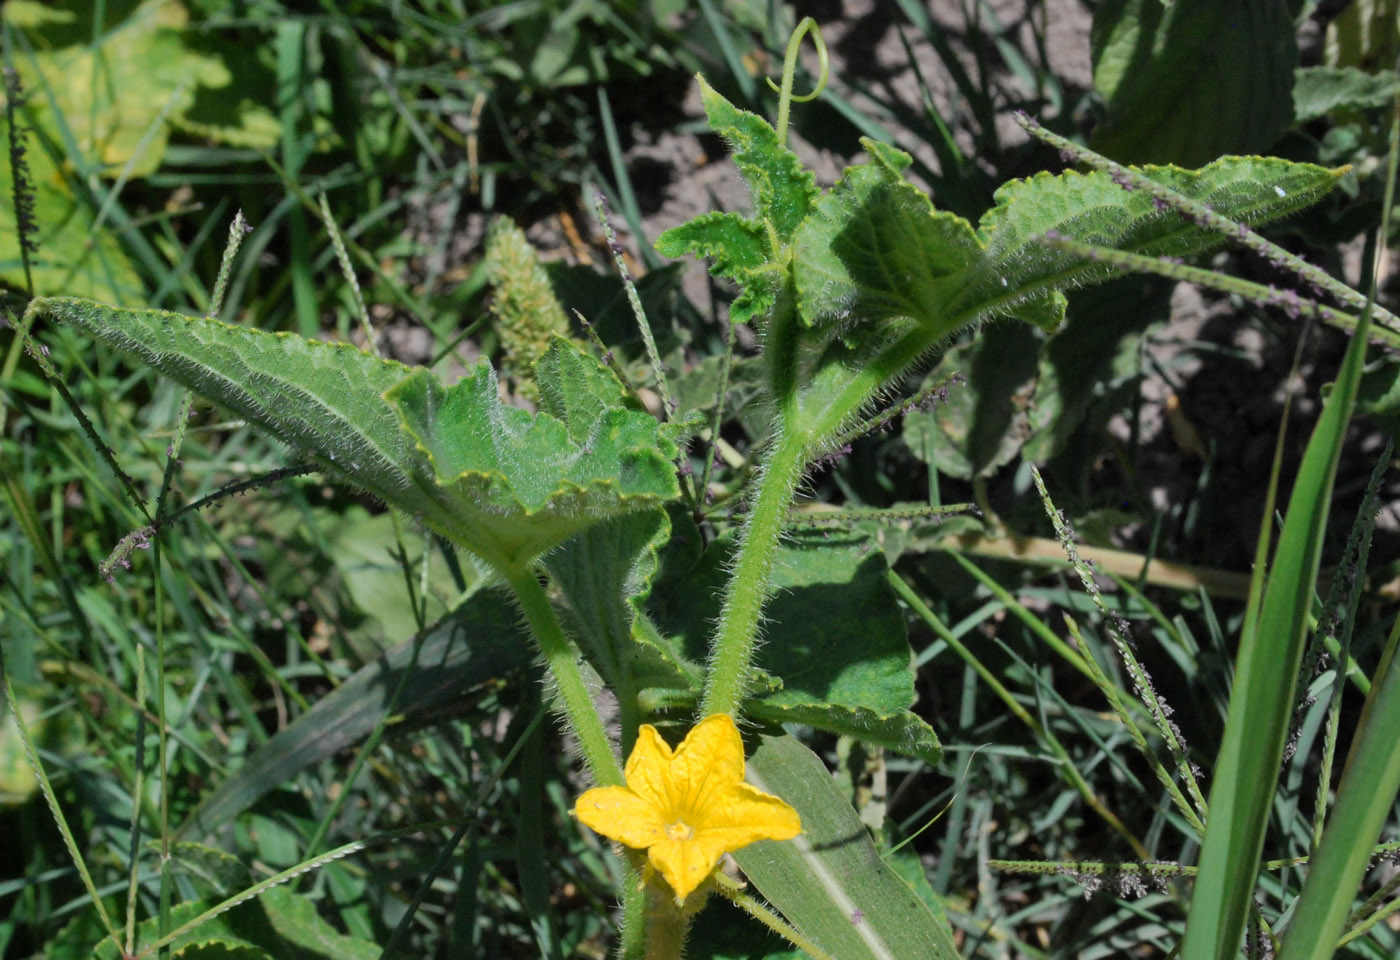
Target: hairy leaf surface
[494,478]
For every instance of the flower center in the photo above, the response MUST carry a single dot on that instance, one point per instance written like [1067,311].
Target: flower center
[680,830]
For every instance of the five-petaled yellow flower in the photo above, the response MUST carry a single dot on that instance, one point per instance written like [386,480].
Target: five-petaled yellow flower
[689,807]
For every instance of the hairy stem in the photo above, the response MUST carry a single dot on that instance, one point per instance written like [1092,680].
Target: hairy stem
[667,925]
[560,658]
[748,583]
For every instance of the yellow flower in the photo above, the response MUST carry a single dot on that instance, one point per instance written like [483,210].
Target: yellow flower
[689,807]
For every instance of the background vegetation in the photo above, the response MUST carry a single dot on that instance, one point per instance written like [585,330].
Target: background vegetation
[144,127]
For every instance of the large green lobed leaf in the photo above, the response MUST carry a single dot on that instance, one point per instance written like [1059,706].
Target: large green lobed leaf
[513,485]
[835,653]
[875,249]
[494,478]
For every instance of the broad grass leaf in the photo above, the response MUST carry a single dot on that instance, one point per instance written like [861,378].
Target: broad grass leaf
[69,257]
[830,881]
[1365,799]
[1188,81]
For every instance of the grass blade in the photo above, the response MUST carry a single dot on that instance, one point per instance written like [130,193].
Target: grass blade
[1256,728]
[1364,801]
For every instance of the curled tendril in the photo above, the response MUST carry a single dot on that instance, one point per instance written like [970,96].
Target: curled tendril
[785,94]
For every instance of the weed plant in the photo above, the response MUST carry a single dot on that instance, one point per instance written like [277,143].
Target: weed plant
[296,666]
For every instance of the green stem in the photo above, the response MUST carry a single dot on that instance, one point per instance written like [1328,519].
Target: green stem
[632,942]
[733,890]
[666,926]
[785,95]
[748,584]
[563,665]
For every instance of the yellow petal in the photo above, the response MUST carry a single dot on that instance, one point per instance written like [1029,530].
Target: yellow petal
[648,769]
[708,762]
[621,815]
[743,814]
[684,863]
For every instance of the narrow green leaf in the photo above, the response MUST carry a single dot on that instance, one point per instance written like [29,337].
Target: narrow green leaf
[481,641]
[737,249]
[1365,800]
[531,860]
[829,881]
[1261,703]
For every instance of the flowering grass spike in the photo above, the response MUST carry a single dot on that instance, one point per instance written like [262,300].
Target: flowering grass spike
[687,807]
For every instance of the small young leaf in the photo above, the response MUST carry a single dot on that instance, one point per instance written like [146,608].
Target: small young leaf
[737,249]
[782,189]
